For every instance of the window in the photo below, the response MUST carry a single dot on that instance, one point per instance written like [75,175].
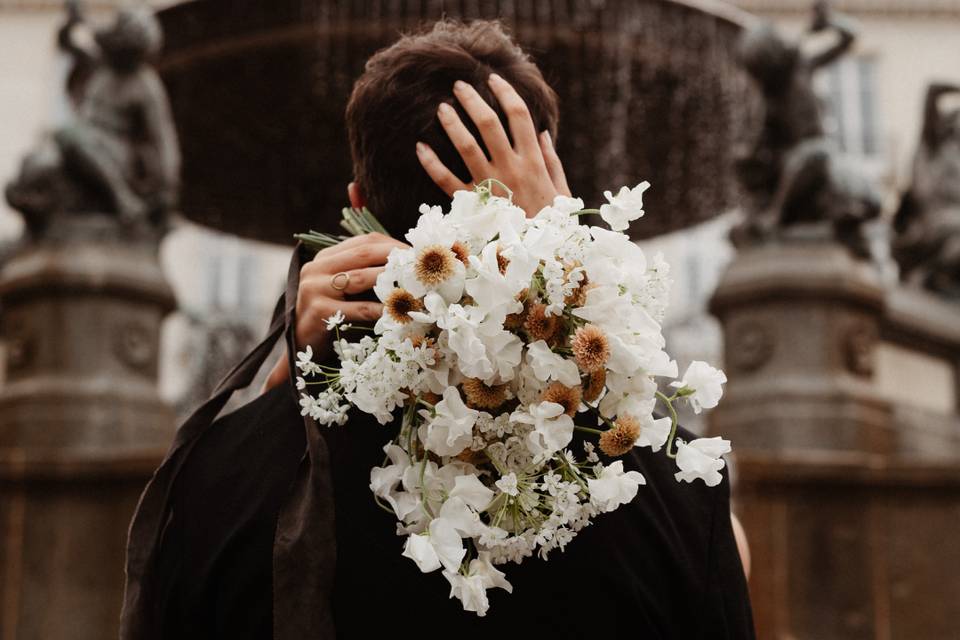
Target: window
[848,91]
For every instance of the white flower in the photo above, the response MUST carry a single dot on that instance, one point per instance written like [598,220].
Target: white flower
[701,459]
[305,362]
[484,349]
[451,429]
[492,290]
[384,481]
[567,205]
[705,382]
[419,549]
[653,432]
[479,222]
[471,589]
[613,259]
[441,545]
[432,228]
[614,487]
[508,484]
[491,576]
[624,207]
[335,320]
[472,492]
[548,365]
[461,517]
[552,428]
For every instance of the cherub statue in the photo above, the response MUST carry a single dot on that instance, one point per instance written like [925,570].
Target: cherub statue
[793,172]
[927,245]
[118,154]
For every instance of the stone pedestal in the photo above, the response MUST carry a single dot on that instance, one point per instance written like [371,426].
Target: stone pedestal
[800,327]
[81,429]
[842,409]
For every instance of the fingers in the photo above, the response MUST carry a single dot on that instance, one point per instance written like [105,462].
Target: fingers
[518,115]
[486,119]
[554,166]
[359,256]
[438,172]
[464,142]
[322,284]
[352,243]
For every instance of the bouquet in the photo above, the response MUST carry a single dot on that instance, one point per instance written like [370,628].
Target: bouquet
[500,337]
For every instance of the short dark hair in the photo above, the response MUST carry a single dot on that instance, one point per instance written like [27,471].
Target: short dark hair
[394,105]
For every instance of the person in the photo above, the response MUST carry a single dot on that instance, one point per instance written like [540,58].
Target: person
[431,114]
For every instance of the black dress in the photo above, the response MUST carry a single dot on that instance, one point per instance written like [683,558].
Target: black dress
[664,566]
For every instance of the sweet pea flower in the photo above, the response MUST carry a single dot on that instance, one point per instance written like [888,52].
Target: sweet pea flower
[704,382]
[548,365]
[624,207]
[614,487]
[701,459]
[552,427]
[451,429]
[471,589]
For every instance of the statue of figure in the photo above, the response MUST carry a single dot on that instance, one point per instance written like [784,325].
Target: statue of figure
[793,172]
[927,244]
[119,153]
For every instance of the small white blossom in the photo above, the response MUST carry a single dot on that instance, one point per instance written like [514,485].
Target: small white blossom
[624,207]
[508,484]
[705,382]
[701,459]
[614,487]
[335,320]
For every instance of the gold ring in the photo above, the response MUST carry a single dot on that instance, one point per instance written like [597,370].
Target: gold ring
[346,281]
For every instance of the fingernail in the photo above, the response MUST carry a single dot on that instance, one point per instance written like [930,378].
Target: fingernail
[547,137]
[444,110]
[495,78]
[421,148]
[460,85]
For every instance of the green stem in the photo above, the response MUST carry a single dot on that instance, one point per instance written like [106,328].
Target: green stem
[595,432]
[671,453]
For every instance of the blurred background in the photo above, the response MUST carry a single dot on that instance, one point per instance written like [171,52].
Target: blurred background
[842,355]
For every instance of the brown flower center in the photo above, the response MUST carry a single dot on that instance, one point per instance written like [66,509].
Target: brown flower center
[434,264]
[567,397]
[400,303]
[483,396]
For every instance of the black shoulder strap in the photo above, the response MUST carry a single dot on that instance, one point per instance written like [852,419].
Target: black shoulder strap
[140,614]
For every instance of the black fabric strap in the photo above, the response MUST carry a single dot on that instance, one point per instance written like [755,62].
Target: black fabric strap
[302,532]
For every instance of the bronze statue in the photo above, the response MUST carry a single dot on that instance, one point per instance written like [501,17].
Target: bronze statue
[927,244]
[794,174]
[119,153]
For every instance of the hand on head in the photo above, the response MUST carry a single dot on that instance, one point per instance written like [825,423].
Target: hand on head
[530,167]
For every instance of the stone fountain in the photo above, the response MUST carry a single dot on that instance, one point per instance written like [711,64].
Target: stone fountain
[649,89]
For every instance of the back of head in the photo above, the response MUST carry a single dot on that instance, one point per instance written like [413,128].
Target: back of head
[394,105]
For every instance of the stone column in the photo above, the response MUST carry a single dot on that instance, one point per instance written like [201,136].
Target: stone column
[800,324]
[81,429]
[841,407]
